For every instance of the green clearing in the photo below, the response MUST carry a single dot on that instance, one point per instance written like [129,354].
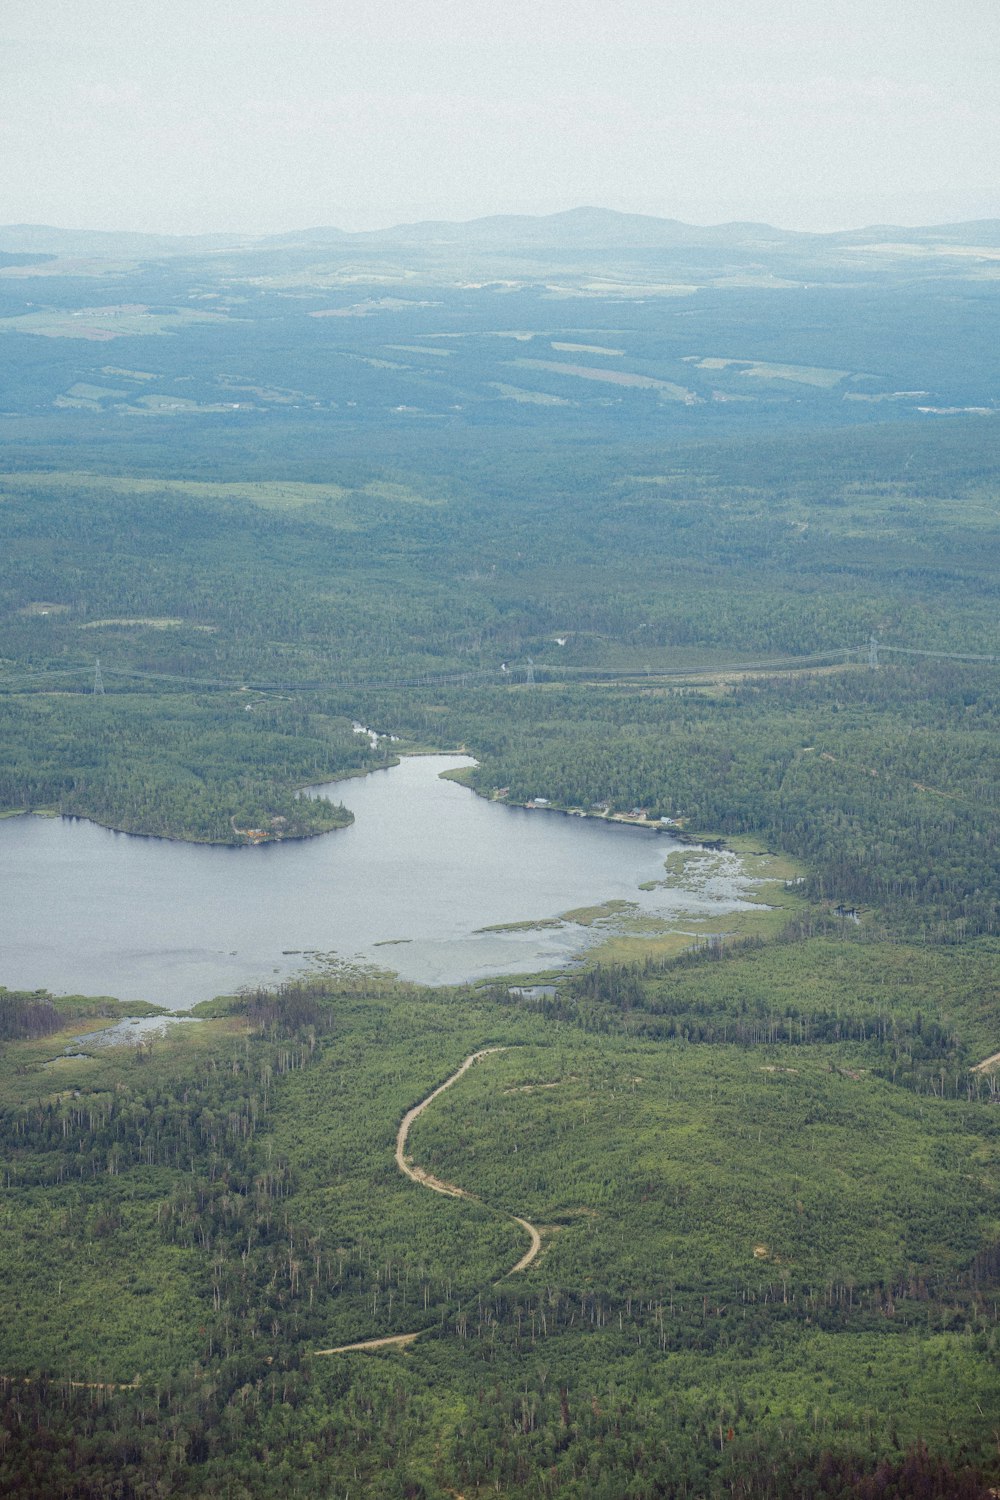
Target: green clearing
[668,389]
[128,374]
[764,370]
[529,398]
[102,324]
[797,374]
[265,495]
[145,624]
[93,392]
[587,349]
[420,349]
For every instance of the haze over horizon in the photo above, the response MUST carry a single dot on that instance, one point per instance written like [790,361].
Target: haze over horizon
[203,117]
[499,217]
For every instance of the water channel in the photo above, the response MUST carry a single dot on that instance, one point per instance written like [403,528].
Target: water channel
[409,887]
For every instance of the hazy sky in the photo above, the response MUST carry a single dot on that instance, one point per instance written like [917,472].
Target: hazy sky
[191,115]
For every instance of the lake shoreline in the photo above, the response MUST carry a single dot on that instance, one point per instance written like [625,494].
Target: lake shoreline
[423,869]
[627,820]
[630,820]
[254,838]
[247,841]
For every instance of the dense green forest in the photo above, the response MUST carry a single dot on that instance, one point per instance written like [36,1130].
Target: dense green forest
[240,629]
[721,544]
[769,1261]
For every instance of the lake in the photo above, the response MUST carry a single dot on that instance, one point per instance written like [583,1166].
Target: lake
[407,887]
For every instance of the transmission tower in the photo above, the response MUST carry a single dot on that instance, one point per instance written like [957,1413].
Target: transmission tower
[98,679]
[873,652]
[529,675]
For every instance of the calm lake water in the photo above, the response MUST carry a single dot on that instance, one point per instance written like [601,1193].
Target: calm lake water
[425,864]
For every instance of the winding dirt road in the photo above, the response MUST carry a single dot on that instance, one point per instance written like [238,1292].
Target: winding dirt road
[450,1190]
[402,1160]
[400,1339]
[532,1251]
[436,1185]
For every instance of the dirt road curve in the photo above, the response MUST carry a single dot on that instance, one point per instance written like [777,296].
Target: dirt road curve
[986,1064]
[402,1161]
[449,1189]
[395,1338]
[533,1249]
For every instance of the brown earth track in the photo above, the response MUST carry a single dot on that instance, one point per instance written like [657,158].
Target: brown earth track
[450,1189]
[436,1185]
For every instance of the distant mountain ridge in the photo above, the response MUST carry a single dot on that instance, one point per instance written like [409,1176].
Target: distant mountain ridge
[584,228]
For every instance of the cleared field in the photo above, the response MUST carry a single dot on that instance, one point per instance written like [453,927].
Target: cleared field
[799,374]
[43,607]
[102,324]
[363,309]
[621,288]
[128,374]
[530,398]
[667,388]
[70,265]
[269,495]
[278,394]
[420,349]
[521,336]
[158,405]
[814,375]
[586,349]
[147,623]
[94,392]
